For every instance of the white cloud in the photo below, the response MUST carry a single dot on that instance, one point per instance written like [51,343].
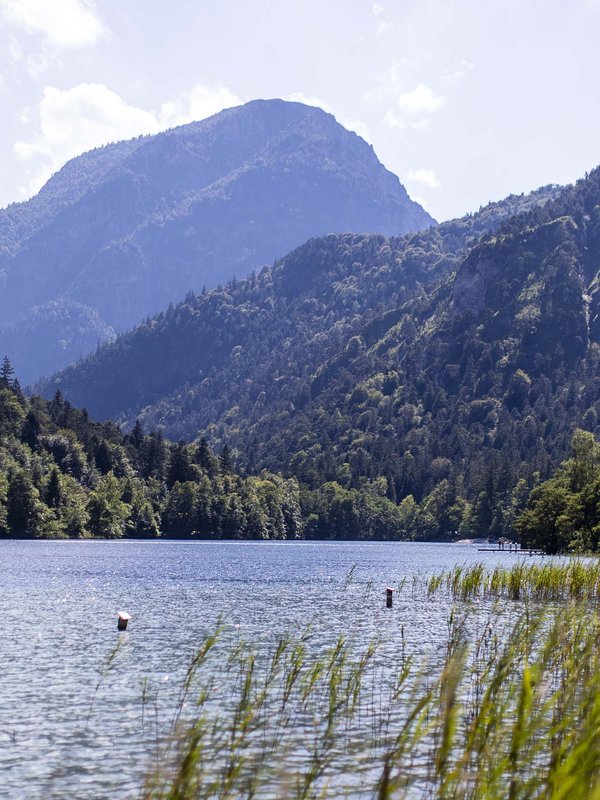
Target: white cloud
[422,100]
[380,14]
[88,115]
[423,177]
[414,108]
[459,72]
[66,23]
[85,116]
[201,102]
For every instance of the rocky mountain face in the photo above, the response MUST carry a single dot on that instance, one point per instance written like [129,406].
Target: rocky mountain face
[122,231]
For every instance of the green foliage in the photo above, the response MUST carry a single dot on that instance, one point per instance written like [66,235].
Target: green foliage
[506,708]
[26,515]
[453,364]
[3,505]
[106,509]
[563,513]
[62,475]
[11,411]
[318,309]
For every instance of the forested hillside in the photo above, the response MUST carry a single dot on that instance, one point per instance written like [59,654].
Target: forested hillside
[121,231]
[218,350]
[444,369]
[62,475]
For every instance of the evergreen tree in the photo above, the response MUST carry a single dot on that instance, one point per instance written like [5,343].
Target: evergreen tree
[31,429]
[143,519]
[53,495]
[11,413]
[179,515]
[155,461]
[57,408]
[204,507]
[6,373]
[226,460]
[104,457]
[107,512]
[137,435]
[16,387]
[3,500]
[180,467]
[24,512]
[204,458]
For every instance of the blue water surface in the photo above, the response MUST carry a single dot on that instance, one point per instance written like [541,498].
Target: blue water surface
[74,724]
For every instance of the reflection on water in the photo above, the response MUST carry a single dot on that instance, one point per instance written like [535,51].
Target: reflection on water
[73,724]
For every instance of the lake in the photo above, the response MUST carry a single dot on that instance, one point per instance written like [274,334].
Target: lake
[67,731]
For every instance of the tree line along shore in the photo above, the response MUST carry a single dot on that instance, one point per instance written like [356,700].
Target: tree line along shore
[65,476]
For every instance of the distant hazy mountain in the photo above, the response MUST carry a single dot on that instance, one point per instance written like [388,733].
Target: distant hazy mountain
[122,231]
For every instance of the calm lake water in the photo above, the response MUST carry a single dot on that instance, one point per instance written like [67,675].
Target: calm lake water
[59,737]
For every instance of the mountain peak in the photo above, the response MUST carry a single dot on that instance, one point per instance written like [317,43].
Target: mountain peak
[121,231]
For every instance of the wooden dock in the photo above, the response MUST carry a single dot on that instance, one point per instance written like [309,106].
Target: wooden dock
[516,551]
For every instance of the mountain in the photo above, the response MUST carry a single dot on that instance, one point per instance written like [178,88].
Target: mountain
[123,230]
[272,332]
[354,359]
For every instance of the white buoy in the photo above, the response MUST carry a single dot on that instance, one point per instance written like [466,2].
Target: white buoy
[122,620]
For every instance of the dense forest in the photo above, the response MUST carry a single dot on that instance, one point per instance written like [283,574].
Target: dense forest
[380,365]
[430,415]
[62,475]
[563,513]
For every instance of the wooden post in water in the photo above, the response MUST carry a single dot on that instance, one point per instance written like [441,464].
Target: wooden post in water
[122,620]
[389,597]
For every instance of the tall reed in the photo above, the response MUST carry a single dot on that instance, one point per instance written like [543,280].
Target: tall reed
[575,579]
[511,710]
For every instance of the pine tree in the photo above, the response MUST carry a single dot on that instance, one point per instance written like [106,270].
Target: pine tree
[104,457]
[137,435]
[204,457]
[180,468]
[16,387]
[3,496]
[57,407]
[155,456]
[30,432]
[202,453]
[53,495]
[24,510]
[6,373]
[226,461]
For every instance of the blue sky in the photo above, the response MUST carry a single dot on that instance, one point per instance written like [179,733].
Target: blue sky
[465,101]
